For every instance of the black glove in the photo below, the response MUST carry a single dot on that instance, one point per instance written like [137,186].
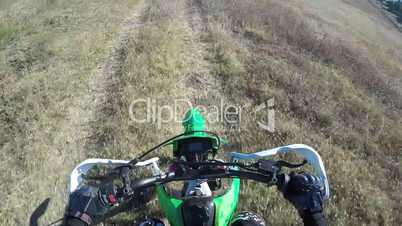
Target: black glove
[88,205]
[305,192]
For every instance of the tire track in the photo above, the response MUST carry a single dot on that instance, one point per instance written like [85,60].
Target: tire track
[199,79]
[76,136]
[205,85]
[106,88]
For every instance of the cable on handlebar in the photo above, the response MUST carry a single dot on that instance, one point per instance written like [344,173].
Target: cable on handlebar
[249,167]
[151,181]
[135,160]
[210,163]
[55,222]
[291,165]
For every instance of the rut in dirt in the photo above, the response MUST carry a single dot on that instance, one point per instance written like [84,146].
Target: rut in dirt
[106,87]
[202,84]
[206,86]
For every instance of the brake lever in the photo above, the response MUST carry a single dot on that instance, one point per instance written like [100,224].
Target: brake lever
[274,167]
[124,171]
[268,166]
[289,165]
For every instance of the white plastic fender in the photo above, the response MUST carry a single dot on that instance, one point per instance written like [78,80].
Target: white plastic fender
[81,169]
[308,153]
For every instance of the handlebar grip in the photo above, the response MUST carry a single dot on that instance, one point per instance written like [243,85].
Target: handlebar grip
[283,181]
[143,183]
[150,181]
[124,171]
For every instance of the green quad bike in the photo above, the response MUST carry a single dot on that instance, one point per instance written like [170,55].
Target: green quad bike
[211,187]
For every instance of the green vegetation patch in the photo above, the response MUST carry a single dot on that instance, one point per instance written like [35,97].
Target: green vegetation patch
[7,32]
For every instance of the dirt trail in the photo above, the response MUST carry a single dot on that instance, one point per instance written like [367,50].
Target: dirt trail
[90,107]
[86,108]
[105,83]
[199,80]
[206,87]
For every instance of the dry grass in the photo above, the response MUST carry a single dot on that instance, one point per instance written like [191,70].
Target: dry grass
[47,50]
[153,68]
[327,90]
[342,96]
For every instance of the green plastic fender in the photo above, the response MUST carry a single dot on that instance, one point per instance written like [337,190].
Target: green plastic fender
[225,205]
[171,207]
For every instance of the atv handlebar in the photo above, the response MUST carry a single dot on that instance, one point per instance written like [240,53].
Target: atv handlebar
[269,178]
[310,156]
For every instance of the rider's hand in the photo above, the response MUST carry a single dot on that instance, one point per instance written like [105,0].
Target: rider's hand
[305,192]
[88,205]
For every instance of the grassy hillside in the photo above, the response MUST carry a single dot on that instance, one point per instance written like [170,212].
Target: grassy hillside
[70,70]
[48,50]
[338,95]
